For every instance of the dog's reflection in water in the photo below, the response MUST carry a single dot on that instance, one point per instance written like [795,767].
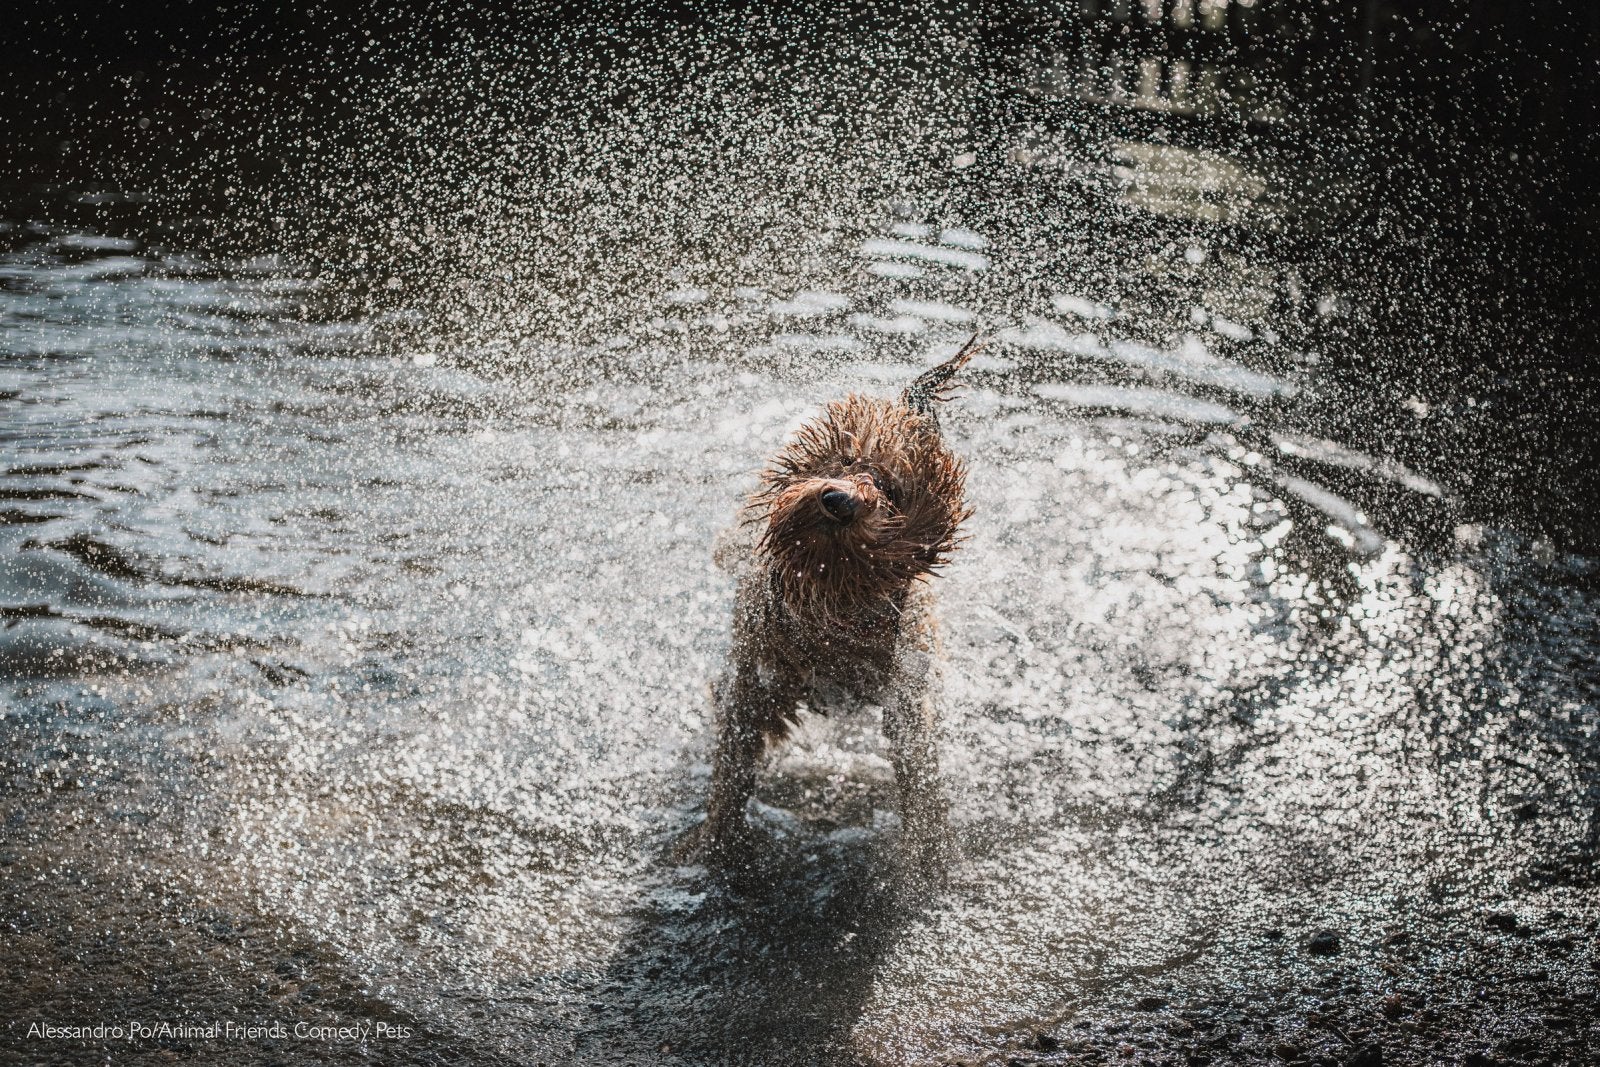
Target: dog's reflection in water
[854,514]
[773,962]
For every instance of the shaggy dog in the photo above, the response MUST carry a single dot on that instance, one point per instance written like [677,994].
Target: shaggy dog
[862,505]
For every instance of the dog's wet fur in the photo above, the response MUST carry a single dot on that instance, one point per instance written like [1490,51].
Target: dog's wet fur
[862,505]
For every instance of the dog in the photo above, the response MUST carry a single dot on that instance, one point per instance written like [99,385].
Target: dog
[862,505]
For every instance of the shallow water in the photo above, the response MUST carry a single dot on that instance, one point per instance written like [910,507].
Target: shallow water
[356,670]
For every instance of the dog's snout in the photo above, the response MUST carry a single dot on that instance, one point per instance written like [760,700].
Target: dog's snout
[839,505]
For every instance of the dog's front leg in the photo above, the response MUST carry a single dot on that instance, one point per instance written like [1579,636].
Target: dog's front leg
[733,772]
[749,713]
[910,723]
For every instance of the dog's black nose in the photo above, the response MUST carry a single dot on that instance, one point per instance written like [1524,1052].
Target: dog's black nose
[839,505]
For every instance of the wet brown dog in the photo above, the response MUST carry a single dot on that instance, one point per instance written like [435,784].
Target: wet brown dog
[861,506]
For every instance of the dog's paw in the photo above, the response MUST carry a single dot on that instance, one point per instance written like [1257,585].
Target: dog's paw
[928,857]
[714,846]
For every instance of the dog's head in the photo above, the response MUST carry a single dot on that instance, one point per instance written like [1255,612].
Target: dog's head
[863,501]
[831,519]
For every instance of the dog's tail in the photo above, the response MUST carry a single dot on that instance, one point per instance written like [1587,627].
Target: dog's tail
[932,385]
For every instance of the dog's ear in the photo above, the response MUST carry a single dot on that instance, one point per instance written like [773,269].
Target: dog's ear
[730,548]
